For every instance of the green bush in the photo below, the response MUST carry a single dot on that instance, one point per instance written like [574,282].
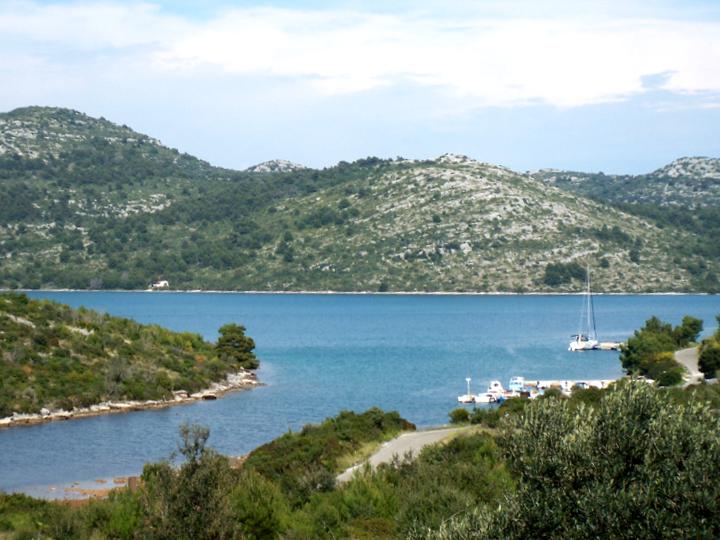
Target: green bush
[258,507]
[459,416]
[513,405]
[649,351]
[561,273]
[662,368]
[306,462]
[638,466]
[191,502]
[709,361]
[670,376]
[489,417]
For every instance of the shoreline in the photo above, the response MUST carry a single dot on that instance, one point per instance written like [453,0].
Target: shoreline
[233,382]
[361,293]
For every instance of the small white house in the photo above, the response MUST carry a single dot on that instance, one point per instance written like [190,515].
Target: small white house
[162,284]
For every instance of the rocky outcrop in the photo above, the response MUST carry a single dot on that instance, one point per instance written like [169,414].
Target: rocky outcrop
[276,165]
[691,167]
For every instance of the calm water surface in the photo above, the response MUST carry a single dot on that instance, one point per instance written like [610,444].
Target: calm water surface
[324,353]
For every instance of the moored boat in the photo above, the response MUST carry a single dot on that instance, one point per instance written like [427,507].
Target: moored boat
[494,394]
[487,397]
[517,384]
[586,338]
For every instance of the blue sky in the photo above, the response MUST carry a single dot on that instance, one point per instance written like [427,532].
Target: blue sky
[622,87]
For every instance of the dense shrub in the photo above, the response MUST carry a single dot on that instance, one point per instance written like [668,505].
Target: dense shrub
[459,415]
[488,417]
[636,462]
[306,462]
[638,466]
[561,273]
[192,502]
[58,357]
[709,360]
[649,351]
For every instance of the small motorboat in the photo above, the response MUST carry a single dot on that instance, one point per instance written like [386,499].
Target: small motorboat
[517,384]
[487,397]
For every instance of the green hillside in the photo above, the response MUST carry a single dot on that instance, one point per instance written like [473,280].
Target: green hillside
[57,357]
[89,204]
[684,194]
[692,182]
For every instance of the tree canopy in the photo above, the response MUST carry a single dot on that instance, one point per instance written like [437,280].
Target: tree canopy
[709,360]
[234,345]
[649,351]
[637,466]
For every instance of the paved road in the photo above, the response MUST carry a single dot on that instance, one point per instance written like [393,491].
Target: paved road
[399,446]
[689,359]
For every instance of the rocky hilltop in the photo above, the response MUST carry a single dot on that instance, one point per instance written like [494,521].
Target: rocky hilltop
[690,167]
[275,165]
[48,132]
[85,203]
[690,181]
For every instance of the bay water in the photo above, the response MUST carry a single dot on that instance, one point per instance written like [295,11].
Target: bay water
[323,353]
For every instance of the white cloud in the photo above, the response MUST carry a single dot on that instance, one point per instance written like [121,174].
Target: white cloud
[477,60]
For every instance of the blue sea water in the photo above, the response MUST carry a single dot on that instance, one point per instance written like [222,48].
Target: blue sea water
[324,353]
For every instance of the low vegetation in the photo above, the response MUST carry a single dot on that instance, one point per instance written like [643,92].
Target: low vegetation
[561,273]
[709,358]
[57,357]
[650,351]
[305,462]
[636,465]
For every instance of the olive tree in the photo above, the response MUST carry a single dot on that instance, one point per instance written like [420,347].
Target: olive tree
[192,501]
[637,466]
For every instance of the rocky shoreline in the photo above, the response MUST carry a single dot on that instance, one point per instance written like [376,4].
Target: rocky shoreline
[241,380]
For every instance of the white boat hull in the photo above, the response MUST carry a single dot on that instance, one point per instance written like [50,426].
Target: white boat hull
[589,345]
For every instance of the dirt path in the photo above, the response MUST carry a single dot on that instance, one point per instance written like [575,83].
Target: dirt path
[399,446]
[689,359]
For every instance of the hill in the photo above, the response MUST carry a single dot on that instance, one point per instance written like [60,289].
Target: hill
[692,182]
[89,204]
[684,194]
[55,357]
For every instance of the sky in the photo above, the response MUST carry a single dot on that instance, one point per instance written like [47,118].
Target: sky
[612,86]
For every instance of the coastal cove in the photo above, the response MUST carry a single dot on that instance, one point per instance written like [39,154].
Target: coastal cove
[323,353]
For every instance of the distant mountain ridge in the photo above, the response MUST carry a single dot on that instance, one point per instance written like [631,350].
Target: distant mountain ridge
[85,203]
[687,181]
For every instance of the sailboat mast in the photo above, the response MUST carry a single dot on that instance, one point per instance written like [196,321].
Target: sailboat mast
[587,300]
[592,330]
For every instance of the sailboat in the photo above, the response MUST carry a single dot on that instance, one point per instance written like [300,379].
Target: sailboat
[586,338]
